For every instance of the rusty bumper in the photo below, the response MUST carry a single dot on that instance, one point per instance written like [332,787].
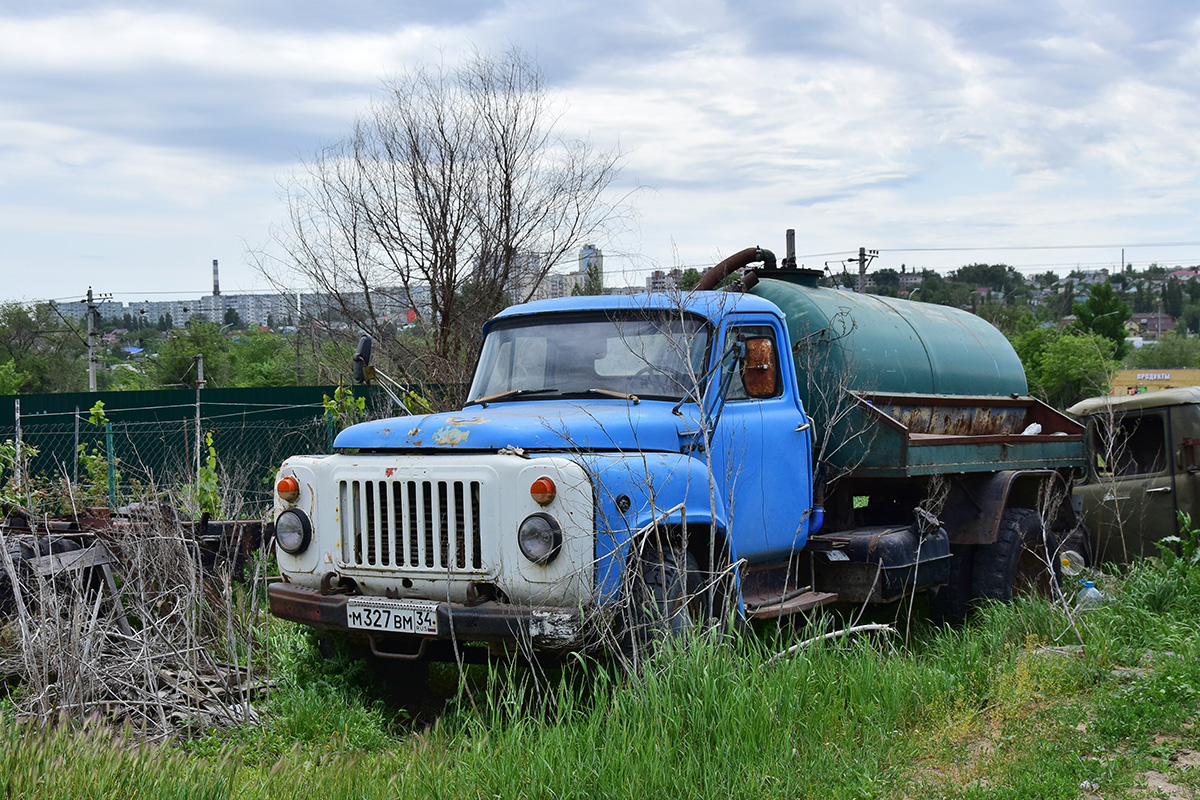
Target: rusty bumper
[543,627]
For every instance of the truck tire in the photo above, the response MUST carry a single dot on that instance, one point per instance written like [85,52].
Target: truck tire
[668,590]
[664,600]
[18,552]
[951,603]
[1018,562]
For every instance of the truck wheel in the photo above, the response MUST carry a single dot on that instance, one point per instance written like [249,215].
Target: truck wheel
[950,604]
[664,600]
[1018,562]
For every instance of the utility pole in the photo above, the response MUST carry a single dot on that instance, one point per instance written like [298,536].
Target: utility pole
[865,257]
[296,335]
[93,335]
[91,340]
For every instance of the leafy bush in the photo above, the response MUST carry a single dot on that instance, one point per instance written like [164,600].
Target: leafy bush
[1188,558]
[1064,368]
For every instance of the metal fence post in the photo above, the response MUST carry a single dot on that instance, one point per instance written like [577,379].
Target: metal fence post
[112,466]
[17,467]
[199,385]
[262,427]
[75,458]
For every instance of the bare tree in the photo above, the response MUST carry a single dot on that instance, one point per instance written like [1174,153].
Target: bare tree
[453,195]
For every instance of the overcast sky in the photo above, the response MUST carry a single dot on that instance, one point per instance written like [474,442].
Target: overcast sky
[141,140]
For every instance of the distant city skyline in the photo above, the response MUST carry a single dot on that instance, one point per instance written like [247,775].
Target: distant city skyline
[265,308]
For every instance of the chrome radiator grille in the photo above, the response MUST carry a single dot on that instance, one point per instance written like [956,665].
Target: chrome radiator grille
[418,524]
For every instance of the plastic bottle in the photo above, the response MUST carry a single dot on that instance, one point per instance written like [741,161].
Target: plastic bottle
[1089,596]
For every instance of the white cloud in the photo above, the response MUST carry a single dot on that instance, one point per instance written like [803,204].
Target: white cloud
[873,123]
[126,42]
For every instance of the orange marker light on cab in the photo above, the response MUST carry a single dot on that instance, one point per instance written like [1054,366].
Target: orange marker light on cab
[543,491]
[288,489]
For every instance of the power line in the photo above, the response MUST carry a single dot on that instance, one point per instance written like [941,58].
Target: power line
[1037,247]
[982,248]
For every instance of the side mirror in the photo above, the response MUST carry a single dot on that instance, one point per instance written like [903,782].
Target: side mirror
[760,376]
[361,365]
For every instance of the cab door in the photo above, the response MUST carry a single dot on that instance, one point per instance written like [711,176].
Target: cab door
[1129,498]
[1185,440]
[762,444]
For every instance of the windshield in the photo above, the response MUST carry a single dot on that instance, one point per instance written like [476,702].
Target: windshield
[646,354]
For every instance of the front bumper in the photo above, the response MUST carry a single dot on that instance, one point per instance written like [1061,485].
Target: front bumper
[548,628]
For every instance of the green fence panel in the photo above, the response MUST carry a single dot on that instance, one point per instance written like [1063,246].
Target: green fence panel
[154,437]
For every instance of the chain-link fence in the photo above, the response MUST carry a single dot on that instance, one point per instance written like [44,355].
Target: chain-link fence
[150,444]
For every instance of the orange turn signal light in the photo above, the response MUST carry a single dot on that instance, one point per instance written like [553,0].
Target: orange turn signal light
[288,489]
[543,491]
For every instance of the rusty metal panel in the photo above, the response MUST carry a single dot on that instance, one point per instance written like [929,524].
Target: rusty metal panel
[976,503]
[905,435]
[304,605]
[806,601]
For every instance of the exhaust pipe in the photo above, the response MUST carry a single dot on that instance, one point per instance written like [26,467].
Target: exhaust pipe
[739,260]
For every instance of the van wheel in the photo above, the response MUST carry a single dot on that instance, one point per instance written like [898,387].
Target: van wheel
[1019,561]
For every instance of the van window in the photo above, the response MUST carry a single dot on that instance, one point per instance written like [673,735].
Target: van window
[1137,445]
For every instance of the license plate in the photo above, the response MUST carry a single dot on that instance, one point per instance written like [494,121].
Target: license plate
[392,616]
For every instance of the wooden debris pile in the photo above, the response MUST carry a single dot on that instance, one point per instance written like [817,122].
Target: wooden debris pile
[138,619]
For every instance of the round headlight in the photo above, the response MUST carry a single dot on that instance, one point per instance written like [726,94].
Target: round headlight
[540,538]
[293,531]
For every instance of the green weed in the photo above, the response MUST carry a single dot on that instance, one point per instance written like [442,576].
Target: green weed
[1188,541]
[1023,702]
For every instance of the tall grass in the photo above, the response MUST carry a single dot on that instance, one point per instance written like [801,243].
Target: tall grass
[58,761]
[1013,705]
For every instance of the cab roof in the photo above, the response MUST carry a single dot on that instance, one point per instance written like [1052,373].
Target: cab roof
[711,305]
[1182,396]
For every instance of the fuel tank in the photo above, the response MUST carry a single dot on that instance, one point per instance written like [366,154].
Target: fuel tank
[867,343]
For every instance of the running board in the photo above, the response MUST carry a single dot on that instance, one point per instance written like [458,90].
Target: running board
[788,606]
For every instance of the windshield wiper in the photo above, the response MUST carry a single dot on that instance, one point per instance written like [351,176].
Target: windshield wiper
[510,394]
[610,393]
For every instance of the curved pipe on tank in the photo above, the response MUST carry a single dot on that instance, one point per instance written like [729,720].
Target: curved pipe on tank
[816,520]
[816,517]
[738,260]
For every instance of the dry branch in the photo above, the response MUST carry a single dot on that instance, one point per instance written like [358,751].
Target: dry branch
[869,628]
[157,643]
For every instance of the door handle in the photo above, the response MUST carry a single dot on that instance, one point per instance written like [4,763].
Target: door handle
[1159,490]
